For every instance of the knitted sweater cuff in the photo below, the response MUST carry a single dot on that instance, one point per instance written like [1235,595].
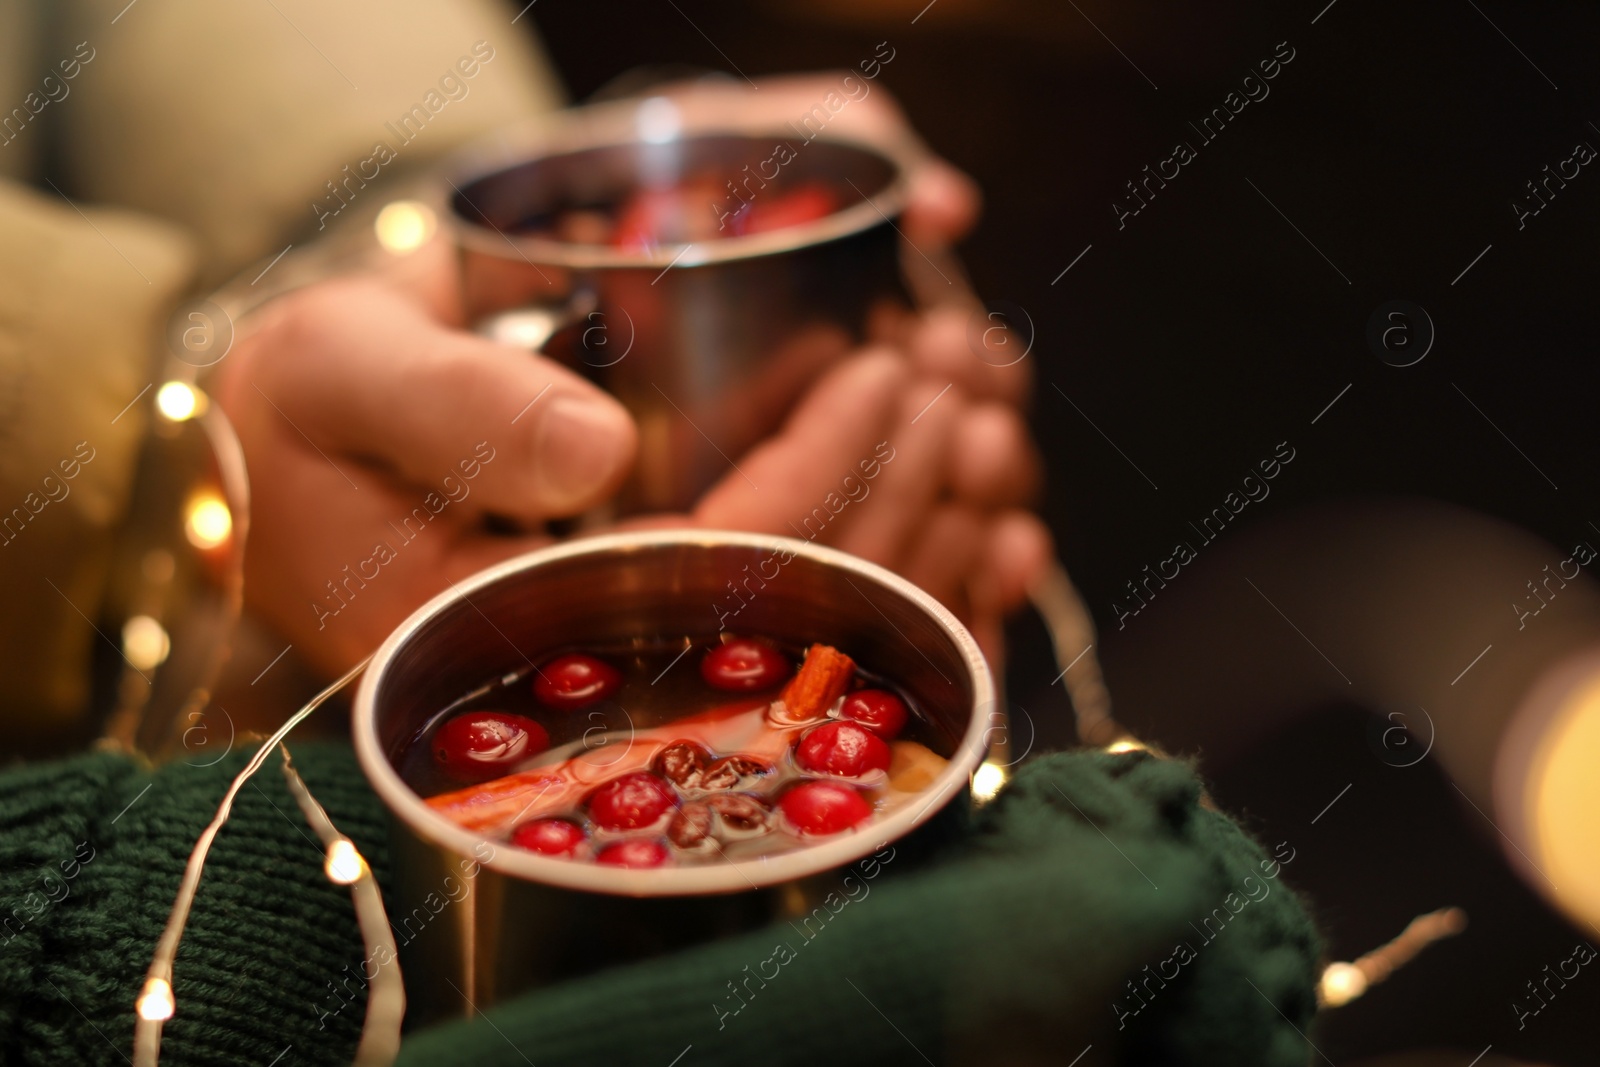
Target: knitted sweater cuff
[91,854]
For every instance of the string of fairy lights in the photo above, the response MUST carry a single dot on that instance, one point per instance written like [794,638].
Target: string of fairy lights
[343,864]
[214,521]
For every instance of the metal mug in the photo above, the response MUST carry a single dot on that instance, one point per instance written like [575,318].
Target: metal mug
[708,344]
[500,919]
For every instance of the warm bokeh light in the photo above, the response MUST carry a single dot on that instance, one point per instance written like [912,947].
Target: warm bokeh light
[344,864]
[658,121]
[1126,744]
[179,401]
[1563,797]
[1341,983]
[155,1000]
[207,521]
[988,780]
[145,642]
[405,226]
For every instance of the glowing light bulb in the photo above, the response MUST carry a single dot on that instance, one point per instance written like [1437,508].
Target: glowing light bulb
[344,864]
[1126,744]
[145,642]
[208,522]
[179,401]
[987,781]
[155,1000]
[1341,983]
[405,226]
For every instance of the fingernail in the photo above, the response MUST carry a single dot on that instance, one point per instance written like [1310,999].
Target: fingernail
[582,445]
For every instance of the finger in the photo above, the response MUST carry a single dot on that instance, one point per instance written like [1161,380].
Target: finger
[473,550]
[795,483]
[1016,554]
[1017,551]
[429,275]
[352,551]
[913,476]
[993,462]
[943,204]
[890,323]
[953,344]
[944,552]
[357,368]
[660,520]
[990,633]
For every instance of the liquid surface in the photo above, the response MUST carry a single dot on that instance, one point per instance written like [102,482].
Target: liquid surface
[702,208]
[663,698]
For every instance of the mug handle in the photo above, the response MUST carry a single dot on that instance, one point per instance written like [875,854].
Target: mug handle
[531,326]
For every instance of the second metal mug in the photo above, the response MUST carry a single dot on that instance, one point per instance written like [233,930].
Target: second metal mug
[708,344]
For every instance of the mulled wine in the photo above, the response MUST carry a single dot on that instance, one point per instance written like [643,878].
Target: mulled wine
[675,753]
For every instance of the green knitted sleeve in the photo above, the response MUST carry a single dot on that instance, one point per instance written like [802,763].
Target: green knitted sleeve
[1096,907]
[91,853]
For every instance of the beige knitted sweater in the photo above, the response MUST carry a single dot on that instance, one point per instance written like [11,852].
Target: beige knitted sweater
[149,150]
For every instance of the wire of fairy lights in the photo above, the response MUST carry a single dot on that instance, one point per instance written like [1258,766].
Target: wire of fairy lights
[343,865]
[1343,982]
[1072,635]
[386,990]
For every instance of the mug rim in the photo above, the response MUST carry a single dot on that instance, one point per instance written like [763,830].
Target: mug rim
[611,125]
[727,876]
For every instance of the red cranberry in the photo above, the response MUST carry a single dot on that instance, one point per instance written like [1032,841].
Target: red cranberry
[805,204]
[821,808]
[843,749]
[569,682]
[550,837]
[641,220]
[744,665]
[881,712]
[653,217]
[479,745]
[630,802]
[637,852]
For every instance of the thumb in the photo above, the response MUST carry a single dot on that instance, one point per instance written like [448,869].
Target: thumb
[357,368]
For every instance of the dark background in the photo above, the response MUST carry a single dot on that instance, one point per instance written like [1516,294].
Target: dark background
[1208,330]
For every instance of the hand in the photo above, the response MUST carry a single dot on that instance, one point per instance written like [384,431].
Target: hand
[888,464]
[378,439]
[949,516]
